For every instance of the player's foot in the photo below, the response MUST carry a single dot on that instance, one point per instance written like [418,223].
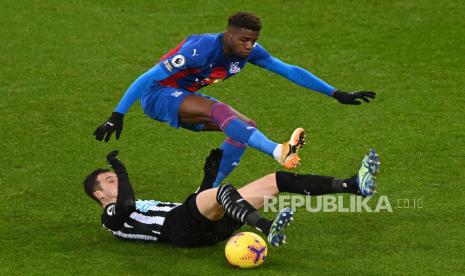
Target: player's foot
[276,236]
[289,156]
[366,174]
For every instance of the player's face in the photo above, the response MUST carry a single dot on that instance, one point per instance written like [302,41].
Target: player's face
[108,184]
[241,41]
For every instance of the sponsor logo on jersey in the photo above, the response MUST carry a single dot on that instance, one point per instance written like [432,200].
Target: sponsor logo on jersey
[234,67]
[178,61]
[145,205]
[168,66]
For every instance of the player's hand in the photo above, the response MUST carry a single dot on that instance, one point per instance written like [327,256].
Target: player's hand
[353,97]
[212,164]
[115,163]
[113,124]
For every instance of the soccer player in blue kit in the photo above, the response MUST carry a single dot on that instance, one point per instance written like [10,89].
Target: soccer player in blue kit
[168,92]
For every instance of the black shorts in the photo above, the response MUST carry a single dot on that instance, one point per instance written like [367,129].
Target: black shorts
[186,226]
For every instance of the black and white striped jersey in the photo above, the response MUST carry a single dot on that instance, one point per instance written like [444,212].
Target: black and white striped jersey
[143,224]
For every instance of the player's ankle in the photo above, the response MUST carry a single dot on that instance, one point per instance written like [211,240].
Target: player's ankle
[278,152]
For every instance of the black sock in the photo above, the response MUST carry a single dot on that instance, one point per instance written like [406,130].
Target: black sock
[256,220]
[348,185]
[309,184]
[239,209]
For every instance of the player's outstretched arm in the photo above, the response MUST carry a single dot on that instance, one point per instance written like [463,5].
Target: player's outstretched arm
[297,75]
[115,123]
[306,79]
[125,200]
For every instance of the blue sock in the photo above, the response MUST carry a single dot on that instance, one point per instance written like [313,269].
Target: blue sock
[259,141]
[246,134]
[238,130]
[231,157]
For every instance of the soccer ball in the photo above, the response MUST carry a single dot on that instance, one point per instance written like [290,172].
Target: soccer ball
[246,250]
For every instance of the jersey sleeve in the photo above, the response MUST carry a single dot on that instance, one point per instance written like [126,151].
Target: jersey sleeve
[297,75]
[175,63]
[138,87]
[115,214]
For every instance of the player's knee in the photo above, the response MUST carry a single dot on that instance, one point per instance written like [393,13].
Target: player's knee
[252,123]
[217,213]
[195,109]
[219,108]
[220,113]
[271,177]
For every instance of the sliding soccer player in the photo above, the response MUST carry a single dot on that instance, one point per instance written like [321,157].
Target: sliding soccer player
[169,92]
[212,214]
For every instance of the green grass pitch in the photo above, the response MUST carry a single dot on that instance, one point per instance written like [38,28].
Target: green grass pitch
[65,64]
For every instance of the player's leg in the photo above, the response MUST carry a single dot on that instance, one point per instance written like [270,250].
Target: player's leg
[232,151]
[271,185]
[229,200]
[362,183]
[164,103]
[253,193]
[198,109]
[208,206]
[225,117]
[307,184]
[242,205]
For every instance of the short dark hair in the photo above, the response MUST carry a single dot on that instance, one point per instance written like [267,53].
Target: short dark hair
[91,184]
[245,20]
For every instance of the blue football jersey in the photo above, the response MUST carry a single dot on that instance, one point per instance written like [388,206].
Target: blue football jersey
[199,60]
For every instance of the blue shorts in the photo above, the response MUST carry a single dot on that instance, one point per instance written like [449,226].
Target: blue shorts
[162,104]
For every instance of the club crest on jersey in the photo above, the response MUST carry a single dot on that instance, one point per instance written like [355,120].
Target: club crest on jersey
[234,67]
[178,61]
[176,94]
